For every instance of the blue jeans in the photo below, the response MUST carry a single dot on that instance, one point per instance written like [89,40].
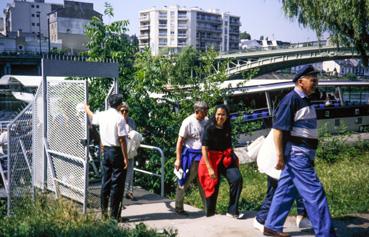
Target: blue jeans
[113,177]
[234,178]
[262,214]
[299,176]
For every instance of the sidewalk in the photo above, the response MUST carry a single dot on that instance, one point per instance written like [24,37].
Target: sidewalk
[158,213]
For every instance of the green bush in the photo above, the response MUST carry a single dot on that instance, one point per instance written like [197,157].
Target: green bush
[48,217]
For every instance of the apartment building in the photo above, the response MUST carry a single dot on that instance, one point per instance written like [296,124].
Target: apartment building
[169,29]
[27,17]
[67,25]
[37,25]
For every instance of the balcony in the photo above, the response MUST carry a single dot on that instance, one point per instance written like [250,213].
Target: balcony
[142,45]
[163,16]
[209,19]
[144,36]
[182,26]
[182,17]
[208,28]
[144,27]
[182,35]
[163,26]
[144,18]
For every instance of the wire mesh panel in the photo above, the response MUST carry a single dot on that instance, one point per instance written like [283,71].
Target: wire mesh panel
[20,157]
[67,133]
[38,148]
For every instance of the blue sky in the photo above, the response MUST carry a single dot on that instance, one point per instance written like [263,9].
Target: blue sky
[258,17]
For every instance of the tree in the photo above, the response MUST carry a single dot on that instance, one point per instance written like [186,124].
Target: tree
[347,21]
[245,35]
[110,42]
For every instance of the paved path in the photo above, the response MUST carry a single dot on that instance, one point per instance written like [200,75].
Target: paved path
[158,213]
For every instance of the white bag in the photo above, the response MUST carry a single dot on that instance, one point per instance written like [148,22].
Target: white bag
[133,143]
[266,158]
[254,147]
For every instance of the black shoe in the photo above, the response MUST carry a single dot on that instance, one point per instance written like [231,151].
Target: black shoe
[181,212]
[124,219]
[269,232]
[130,196]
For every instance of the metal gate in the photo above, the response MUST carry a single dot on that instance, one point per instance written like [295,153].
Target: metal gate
[60,162]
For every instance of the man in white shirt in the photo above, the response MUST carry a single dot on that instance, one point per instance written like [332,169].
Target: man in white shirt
[114,166]
[188,151]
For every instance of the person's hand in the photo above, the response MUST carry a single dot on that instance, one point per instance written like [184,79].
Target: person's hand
[280,163]
[212,173]
[177,164]
[86,107]
[125,164]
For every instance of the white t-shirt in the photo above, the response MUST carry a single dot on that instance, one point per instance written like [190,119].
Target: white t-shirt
[191,130]
[112,126]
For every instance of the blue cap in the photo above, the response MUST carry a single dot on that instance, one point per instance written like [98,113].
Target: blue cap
[305,70]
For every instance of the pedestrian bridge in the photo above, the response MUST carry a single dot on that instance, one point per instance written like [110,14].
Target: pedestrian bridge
[265,61]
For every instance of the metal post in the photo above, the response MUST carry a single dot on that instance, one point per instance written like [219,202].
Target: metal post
[269,103]
[8,183]
[44,111]
[86,168]
[116,86]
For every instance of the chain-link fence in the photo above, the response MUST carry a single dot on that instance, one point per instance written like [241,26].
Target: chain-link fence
[67,136]
[60,159]
[19,169]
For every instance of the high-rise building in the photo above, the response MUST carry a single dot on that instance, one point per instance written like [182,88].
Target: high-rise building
[27,17]
[169,29]
[67,25]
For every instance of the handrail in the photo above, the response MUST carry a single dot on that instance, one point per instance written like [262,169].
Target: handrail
[162,170]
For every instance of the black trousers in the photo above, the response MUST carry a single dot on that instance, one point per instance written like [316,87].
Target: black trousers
[234,178]
[113,179]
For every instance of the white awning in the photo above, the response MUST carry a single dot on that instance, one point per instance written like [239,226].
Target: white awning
[27,81]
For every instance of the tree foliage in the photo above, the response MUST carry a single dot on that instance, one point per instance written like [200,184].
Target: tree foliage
[245,35]
[346,20]
[110,42]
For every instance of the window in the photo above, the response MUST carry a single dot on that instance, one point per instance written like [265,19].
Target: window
[33,6]
[33,24]
[33,15]
[38,24]
[37,6]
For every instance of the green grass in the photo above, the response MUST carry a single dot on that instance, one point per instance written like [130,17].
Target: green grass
[346,182]
[48,217]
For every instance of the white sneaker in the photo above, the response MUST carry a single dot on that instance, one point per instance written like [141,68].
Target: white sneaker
[240,216]
[303,222]
[258,226]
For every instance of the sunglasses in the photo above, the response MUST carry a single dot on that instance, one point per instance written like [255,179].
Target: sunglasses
[124,110]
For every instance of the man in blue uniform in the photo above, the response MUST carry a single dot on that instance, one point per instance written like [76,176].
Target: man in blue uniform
[295,137]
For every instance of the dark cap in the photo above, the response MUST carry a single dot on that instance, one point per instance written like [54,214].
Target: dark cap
[305,70]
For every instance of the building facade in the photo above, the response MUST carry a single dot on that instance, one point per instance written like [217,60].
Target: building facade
[39,27]
[169,29]
[27,17]
[346,66]
[67,25]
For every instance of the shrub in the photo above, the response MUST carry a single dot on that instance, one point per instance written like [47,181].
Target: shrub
[49,217]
